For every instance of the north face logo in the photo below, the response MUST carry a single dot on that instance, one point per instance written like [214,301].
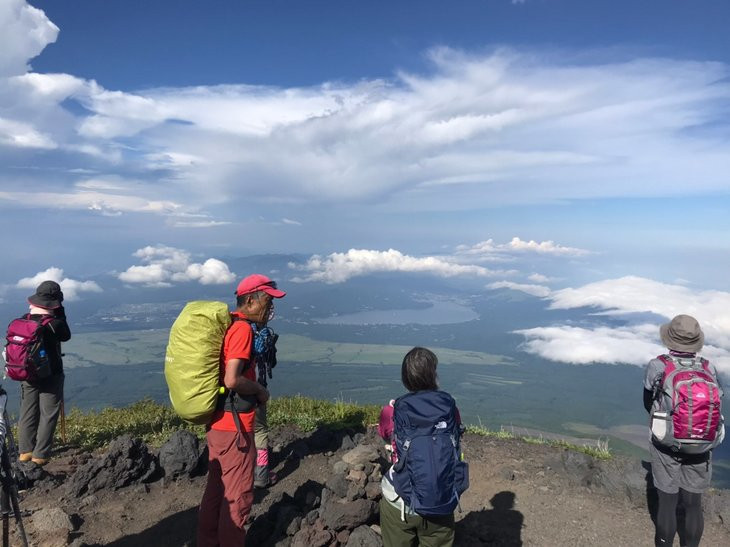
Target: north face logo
[701,395]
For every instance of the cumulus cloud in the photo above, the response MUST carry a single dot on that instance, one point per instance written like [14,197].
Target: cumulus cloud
[534,290]
[339,267]
[25,31]
[71,287]
[519,126]
[489,248]
[162,266]
[635,343]
[632,294]
[583,346]
[23,135]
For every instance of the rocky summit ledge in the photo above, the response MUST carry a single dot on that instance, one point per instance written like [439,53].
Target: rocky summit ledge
[328,493]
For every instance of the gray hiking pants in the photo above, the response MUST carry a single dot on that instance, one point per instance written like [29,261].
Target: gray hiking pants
[40,405]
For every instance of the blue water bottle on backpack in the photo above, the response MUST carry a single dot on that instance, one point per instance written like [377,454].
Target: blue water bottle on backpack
[43,367]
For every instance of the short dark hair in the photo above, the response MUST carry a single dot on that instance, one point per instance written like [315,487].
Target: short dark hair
[418,371]
[242,298]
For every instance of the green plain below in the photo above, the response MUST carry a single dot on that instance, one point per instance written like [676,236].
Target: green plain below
[148,346]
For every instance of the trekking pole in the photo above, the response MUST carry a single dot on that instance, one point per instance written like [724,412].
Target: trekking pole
[9,494]
[5,508]
[10,502]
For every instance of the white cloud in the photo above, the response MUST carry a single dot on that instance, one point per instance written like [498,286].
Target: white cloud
[632,294]
[519,126]
[489,249]
[636,343]
[339,267]
[71,287]
[163,265]
[24,32]
[545,247]
[199,223]
[22,135]
[539,278]
[535,290]
[583,346]
[291,222]
[92,200]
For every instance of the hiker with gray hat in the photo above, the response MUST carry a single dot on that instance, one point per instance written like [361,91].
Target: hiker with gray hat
[41,398]
[683,397]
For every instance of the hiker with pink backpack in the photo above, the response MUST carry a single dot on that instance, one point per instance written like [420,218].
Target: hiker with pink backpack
[683,396]
[33,357]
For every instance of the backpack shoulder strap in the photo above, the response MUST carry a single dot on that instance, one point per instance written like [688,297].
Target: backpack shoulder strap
[670,365]
[46,320]
[234,319]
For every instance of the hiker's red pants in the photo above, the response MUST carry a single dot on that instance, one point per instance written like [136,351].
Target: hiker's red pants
[228,495]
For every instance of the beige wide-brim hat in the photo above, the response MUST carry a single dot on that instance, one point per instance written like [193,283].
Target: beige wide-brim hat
[683,333]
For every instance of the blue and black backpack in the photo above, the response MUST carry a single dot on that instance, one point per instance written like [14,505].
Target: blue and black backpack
[429,475]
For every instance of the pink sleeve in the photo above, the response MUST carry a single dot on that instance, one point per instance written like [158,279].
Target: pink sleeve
[385,424]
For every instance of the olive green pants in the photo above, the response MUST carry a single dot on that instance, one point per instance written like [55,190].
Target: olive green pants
[261,428]
[416,530]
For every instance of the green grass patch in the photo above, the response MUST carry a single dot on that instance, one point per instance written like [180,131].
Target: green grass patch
[154,422]
[599,451]
[308,414]
[146,419]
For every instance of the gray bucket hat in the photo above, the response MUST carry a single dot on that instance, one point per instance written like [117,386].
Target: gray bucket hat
[683,333]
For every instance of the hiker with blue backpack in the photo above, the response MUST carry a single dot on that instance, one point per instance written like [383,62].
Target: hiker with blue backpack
[683,397]
[421,489]
[33,357]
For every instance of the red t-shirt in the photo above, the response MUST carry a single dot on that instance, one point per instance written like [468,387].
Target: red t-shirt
[237,344]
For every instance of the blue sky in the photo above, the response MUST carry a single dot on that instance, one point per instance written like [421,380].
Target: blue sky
[537,145]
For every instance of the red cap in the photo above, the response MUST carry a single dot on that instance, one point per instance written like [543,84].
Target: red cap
[258,282]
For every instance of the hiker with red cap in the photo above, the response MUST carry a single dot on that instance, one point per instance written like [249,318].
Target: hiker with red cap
[228,495]
[264,360]
[683,397]
[41,395]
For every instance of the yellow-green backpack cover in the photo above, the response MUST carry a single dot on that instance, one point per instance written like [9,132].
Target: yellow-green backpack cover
[192,360]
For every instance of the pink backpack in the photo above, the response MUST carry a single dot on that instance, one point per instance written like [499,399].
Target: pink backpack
[25,356]
[690,401]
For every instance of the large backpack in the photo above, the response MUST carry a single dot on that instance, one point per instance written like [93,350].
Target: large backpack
[192,359]
[25,355]
[689,401]
[430,474]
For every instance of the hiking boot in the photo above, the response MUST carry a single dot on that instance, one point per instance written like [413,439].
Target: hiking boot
[263,478]
[39,461]
[25,456]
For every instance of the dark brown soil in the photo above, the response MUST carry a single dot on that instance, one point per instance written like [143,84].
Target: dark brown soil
[516,497]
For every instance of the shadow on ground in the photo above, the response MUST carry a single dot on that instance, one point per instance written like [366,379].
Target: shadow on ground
[177,530]
[501,525]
